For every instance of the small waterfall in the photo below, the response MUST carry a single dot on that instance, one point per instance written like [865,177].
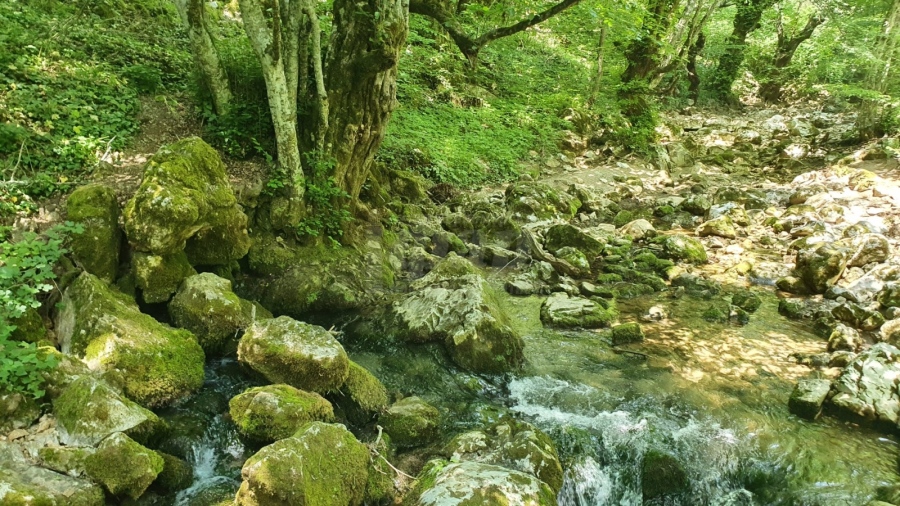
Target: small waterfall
[209,457]
[607,466]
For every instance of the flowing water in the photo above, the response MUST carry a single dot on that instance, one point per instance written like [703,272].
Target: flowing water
[714,396]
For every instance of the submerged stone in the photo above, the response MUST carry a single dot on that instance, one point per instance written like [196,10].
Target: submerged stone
[105,327]
[562,310]
[176,474]
[867,389]
[304,356]
[662,475]
[411,422]
[471,483]
[334,470]
[627,333]
[274,412]
[97,248]
[808,396]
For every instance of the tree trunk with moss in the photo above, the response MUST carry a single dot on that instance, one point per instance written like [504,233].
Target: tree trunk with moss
[193,16]
[770,90]
[870,118]
[746,20]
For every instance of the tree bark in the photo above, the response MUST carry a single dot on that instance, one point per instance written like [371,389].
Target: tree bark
[360,79]
[868,121]
[193,16]
[770,90]
[746,20]
[266,37]
[692,76]
[598,76]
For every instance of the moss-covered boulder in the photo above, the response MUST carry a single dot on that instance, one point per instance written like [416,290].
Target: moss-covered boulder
[454,303]
[205,305]
[334,470]
[304,356]
[17,411]
[105,327]
[22,484]
[29,327]
[746,300]
[97,248]
[176,474]
[382,487]
[274,412]
[575,258]
[682,248]
[627,333]
[411,422]
[471,483]
[65,459]
[89,410]
[662,476]
[563,310]
[185,203]
[511,444]
[867,389]
[563,235]
[720,227]
[363,396]
[123,467]
[820,267]
[159,277]
[529,201]
[808,396]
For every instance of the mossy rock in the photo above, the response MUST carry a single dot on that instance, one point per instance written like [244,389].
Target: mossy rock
[511,444]
[627,333]
[794,309]
[185,203]
[561,236]
[682,248]
[159,277]
[206,306]
[363,396]
[411,422]
[17,411]
[97,248]
[274,412]
[454,303]
[89,410]
[720,227]
[473,483]
[698,205]
[335,470]
[158,364]
[65,459]
[68,369]
[304,356]
[176,474]
[22,484]
[381,487]
[716,313]
[820,267]
[123,467]
[561,310]
[540,201]
[662,475]
[746,300]
[575,258]
[29,327]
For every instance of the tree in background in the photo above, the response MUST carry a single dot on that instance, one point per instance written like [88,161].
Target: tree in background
[772,83]
[870,122]
[746,20]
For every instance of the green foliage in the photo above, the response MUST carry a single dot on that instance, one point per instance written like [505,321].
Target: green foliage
[70,75]
[328,212]
[26,272]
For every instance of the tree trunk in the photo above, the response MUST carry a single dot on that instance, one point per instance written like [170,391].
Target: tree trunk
[601,52]
[869,119]
[360,78]
[770,90]
[193,16]
[265,34]
[692,76]
[746,20]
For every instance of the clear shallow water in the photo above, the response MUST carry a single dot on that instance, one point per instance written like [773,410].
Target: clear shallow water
[714,396]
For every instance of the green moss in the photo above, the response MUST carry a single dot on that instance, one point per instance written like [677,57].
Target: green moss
[662,475]
[540,200]
[159,277]
[274,412]
[65,459]
[17,411]
[623,218]
[29,327]
[206,306]
[746,300]
[97,249]
[380,488]
[716,314]
[683,248]
[560,236]
[607,278]
[627,333]
[176,474]
[366,394]
[335,468]
[124,467]
[411,422]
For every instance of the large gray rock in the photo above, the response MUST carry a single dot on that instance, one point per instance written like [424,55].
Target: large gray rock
[27,485]
[562,310]
[808,396]
[819,267]
[511,444]
[869,248]
[105,328]
[97,248]
[272,412]
[17,411]
[867,388]
[320,465]
[471,483]
[565,235]
[304,356]
[682,248]
[454,304]
[530,201]
[123,467]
